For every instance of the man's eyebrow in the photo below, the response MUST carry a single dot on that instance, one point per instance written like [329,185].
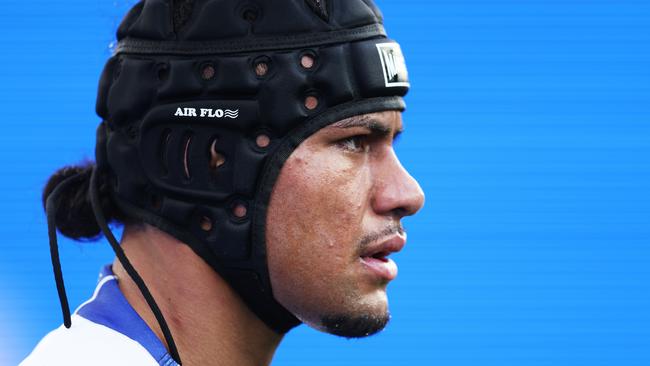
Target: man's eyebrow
[368,122]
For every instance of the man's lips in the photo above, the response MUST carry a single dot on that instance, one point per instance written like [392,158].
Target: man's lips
[375,257]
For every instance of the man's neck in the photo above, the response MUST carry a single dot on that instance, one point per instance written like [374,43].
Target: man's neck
[210,324]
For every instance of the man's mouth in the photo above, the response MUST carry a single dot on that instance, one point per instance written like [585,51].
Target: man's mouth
[382,267]
[375,257]
[381,256]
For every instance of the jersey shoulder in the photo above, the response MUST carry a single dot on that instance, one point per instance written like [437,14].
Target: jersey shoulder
[88,343]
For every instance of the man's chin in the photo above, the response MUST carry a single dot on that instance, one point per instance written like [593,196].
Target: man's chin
[354,326]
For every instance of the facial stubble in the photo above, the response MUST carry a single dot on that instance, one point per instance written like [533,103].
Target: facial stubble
[363,325]
[355,326]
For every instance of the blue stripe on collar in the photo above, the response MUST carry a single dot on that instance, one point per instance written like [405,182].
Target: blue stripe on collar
[109,307]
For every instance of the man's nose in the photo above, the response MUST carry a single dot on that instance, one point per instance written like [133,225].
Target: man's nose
[396,192]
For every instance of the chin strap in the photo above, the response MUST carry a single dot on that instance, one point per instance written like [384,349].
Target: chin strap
[101,221]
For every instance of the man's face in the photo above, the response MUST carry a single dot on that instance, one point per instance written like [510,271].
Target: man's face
[333,218]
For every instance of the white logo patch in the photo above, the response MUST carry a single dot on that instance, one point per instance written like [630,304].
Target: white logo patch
[207,113]
[393,65]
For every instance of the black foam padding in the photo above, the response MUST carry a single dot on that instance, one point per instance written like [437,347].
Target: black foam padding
[167,96]
[226,19]
[133,89]
[155,21]
[209,18]
[176,84]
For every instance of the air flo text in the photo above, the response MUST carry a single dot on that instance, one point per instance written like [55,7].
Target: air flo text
[206,112]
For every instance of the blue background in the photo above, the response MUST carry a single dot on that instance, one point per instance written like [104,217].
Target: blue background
[528,128]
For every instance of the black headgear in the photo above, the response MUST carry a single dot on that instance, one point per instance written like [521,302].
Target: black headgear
[193,91]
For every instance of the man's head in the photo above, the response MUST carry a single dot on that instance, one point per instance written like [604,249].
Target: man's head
[250,129]
[333,219]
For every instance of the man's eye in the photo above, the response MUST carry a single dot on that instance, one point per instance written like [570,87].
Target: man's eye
[356,143]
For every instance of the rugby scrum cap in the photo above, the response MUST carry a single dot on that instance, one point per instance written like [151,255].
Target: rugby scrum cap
[202,103]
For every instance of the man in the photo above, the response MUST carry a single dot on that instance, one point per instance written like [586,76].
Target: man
[247,148]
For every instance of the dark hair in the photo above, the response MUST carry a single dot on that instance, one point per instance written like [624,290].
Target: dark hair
[182,13]
[74,215]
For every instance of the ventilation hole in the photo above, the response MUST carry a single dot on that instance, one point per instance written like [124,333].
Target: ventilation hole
[216,158]
[262,140]
[239,210]
[311,102]
[207,72]
[182,13]
[206,223]
[186,152]
[261,68]
[250,15]
[307,61]
[163,72]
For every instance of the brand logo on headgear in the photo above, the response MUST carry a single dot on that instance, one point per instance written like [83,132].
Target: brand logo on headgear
[207,113]
[392,64]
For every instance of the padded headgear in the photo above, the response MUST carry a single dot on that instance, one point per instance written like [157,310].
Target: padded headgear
[191,87]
